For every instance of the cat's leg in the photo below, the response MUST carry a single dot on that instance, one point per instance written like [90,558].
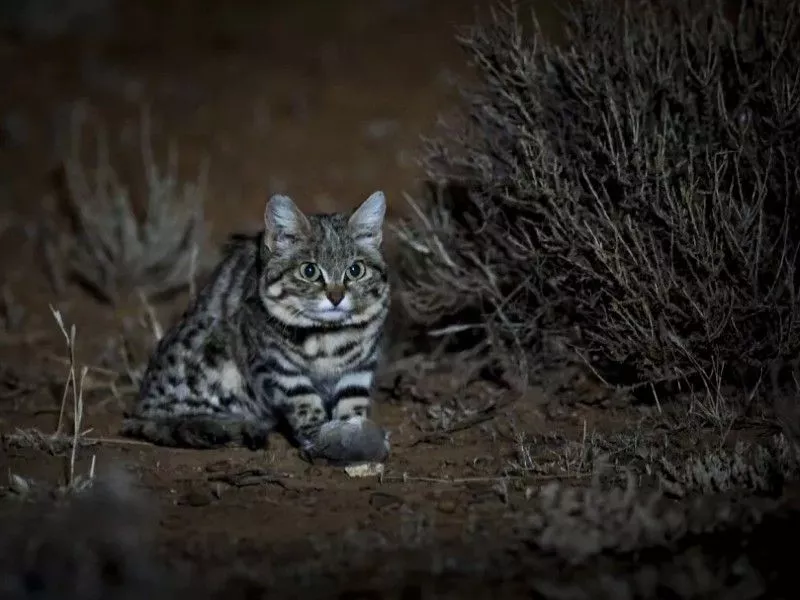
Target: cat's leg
[350,436]
[291,394]
[352,395]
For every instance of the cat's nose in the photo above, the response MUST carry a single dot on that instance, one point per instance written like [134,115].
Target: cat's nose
[335,294]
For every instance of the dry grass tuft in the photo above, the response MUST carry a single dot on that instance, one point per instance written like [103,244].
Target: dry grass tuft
[118,249]
[58,441]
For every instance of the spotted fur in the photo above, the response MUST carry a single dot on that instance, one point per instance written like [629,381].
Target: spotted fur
[287,332]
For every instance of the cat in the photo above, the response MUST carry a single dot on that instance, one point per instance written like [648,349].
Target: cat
[286,335]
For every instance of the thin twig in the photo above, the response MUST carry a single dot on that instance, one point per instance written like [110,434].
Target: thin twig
[101,370]
[71,379]
[158,331]
[404,478]
[486,414]
[77,418]
[33,438]
[193,271]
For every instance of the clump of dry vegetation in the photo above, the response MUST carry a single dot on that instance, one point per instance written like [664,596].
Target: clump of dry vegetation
[95,543]
[630,188]
[120,244]
[623,543]
[59,442]
[582,522]
[758,467]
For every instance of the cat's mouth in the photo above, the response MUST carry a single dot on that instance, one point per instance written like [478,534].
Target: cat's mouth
[328,312]
[331,315]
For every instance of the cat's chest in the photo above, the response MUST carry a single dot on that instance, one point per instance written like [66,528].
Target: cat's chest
[331,354]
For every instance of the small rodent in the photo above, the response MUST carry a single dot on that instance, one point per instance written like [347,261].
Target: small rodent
[355,440]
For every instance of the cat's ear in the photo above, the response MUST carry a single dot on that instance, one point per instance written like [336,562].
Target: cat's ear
[284,223]
[366,223]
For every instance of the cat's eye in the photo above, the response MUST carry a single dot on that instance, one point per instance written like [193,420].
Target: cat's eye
[356,271]
[310,271]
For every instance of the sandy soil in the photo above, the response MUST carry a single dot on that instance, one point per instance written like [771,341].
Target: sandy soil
[326,102]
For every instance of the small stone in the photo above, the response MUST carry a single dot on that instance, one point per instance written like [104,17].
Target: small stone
[364,470]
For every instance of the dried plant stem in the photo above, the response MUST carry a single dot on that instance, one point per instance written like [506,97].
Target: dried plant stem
[75,384]
[77,420]
[71,376]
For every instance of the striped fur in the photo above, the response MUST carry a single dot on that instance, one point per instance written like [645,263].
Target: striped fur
[287,332]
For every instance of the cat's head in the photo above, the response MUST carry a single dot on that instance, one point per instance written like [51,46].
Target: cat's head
[325,268]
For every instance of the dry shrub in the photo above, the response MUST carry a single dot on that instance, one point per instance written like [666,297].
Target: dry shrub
[636,182]
[94,543]
[764,468]
[121,243]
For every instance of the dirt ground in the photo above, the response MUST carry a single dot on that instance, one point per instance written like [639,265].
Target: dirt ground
[326,102]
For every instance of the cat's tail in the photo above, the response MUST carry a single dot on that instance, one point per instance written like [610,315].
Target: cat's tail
[198,431]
